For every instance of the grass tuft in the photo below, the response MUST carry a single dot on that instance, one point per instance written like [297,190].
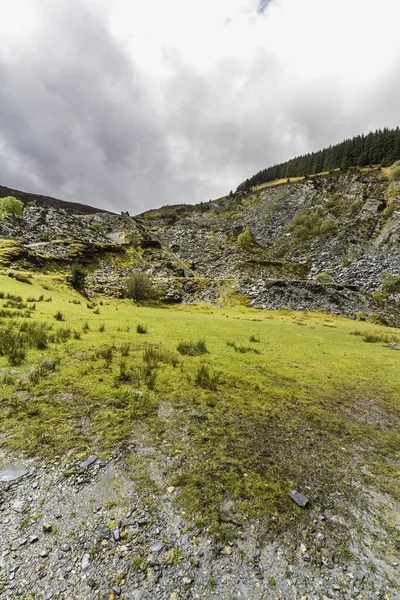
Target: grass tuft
[192,348]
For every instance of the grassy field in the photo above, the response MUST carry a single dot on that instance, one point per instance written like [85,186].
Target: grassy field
[270,401]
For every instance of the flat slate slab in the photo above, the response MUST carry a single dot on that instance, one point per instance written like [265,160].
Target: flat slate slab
[88,461]
[9,474]
[299,498]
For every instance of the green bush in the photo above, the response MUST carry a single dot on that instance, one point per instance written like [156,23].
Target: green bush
[311,224]
[77,278]
[391,284]
[245,239]
[139,287]
[10,207]
[140,328]
[323,277]
[394,171]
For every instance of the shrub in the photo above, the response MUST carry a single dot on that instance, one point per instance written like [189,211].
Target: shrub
[123,371]
[152,356]
[355,207]
[245,349]
[245,239]
[391,283]
[21,277]
[192,348]
[61,335]
[59,316]
[139,287]
[323,277]
[311,224]
[107,354]
[102,328]
[140,328]
[17,355]
[376,337]
[85,327]
[394,171]
[10,207]
[254,338]
[125,349]
[77,278]
[206,380]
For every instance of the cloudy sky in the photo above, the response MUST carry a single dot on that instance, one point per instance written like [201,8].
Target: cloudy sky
[132,104]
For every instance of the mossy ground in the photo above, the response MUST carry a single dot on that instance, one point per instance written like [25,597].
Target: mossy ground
[308,406]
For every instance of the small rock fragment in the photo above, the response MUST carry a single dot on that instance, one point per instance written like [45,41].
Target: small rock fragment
[47,527]
[170,489]
[85,562]
[33,539]
[299,499]
[88,461]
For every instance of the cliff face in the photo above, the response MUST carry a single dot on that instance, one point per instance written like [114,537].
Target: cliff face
[345,226]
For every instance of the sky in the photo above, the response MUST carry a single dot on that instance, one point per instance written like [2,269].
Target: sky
[132,104]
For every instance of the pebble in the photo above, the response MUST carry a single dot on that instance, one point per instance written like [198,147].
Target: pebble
[33,539]
[85,564]
[47,527]
[299,499]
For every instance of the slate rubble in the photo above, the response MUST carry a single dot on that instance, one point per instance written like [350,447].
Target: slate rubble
[162,556]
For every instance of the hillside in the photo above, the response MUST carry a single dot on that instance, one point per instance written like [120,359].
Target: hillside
[327,242]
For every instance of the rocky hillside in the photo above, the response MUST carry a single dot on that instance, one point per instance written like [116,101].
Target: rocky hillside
[326,242]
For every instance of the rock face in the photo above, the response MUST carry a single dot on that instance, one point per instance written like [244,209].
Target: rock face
[344,225]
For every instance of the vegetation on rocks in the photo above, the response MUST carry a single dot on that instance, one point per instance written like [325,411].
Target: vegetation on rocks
[10,206]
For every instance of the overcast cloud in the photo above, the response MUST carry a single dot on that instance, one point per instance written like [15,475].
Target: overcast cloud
[129,104]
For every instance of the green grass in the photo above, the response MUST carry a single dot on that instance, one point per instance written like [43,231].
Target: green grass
[242,426]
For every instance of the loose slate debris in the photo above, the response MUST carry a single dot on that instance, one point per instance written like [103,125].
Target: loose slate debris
[11,474]
[88,461]
[299,499]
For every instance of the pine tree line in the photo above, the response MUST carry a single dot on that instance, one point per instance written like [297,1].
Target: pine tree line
[381,147]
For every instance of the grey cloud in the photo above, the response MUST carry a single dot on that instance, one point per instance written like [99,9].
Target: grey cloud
[79,122]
